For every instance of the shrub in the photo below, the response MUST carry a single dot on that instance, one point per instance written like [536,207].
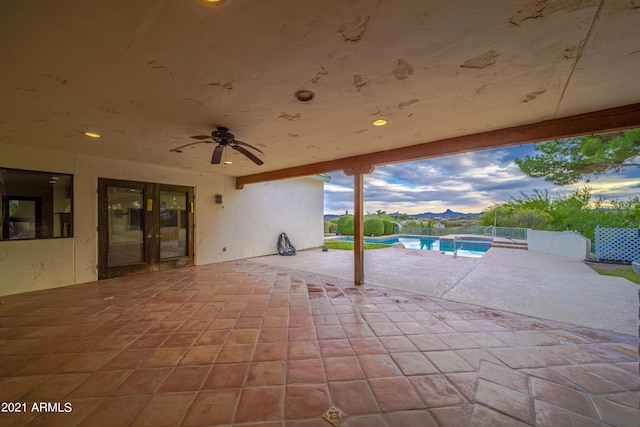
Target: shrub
[389,227]
[345,225]
[373,227]
[530,218]
[412,223]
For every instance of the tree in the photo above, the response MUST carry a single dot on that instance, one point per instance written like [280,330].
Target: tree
[576,211]
[380,214]
[566,161]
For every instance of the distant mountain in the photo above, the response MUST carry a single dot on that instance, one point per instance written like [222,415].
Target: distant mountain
[448,214]
[331,216]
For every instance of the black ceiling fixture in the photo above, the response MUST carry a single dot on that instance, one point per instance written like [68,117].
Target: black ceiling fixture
[223,138]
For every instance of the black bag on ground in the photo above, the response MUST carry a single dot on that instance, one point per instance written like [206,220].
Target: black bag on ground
[285,247]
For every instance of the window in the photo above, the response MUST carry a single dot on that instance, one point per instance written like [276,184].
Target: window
[35,205]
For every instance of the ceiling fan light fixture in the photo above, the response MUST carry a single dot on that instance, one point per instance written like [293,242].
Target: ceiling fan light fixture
[304,95]
[92,134]
[379,122]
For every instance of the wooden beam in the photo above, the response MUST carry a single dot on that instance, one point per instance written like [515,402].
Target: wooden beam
[358,229]
[609,120]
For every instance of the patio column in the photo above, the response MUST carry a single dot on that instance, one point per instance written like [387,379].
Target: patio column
[358,221]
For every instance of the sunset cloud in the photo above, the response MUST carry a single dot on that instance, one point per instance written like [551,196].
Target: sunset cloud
[469,182]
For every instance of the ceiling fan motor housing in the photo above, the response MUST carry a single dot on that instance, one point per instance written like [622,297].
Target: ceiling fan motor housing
[223,133]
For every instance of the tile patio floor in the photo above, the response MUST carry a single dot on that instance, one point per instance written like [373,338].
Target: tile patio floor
[243,343]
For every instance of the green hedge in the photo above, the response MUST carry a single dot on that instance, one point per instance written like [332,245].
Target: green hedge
[373,227]
[330,227]
[345,225]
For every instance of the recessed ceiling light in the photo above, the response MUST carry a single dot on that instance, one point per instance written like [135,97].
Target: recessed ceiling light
[305,95]
[213,2]
[379,122]
[92,134]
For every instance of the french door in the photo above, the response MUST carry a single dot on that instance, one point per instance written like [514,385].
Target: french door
[143,227]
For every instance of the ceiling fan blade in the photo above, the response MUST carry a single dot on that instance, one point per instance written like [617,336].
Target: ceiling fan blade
[201,136]
[217,155]
[248,145]
[249,154]
[178,149]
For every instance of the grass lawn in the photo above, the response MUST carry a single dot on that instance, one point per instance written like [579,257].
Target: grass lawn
[616,270]
[348,246]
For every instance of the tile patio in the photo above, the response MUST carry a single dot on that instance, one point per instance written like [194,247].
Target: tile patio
[244,343]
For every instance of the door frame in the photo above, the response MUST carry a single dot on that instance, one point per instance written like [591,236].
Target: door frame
[152,233]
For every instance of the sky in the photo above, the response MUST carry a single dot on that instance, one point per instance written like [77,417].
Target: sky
[468,183]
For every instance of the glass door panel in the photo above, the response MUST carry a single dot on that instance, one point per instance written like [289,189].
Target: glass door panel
[173,224]
[143,227]
[126,226]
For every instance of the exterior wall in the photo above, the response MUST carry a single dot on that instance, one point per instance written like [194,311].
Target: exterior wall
[247,223]
[561,243]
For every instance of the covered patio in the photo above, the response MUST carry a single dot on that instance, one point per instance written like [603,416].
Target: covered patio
[519,281]
[233,340]
[247,343]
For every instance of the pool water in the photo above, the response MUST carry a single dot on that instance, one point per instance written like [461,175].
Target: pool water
[474,248]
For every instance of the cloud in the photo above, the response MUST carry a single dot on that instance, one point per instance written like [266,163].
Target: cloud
[468,182]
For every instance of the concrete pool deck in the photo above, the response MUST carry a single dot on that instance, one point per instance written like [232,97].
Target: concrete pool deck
[518,281]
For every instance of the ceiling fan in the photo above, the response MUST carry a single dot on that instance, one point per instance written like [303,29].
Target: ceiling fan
[224,139]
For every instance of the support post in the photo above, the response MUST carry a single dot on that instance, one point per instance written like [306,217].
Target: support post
[358,220]
[358,229]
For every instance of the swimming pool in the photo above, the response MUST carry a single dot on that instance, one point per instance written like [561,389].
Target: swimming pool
[467,247]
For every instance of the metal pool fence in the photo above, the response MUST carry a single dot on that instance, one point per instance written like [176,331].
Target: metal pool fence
[504,232]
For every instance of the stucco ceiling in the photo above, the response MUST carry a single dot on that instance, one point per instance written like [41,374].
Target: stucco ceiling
[148,74]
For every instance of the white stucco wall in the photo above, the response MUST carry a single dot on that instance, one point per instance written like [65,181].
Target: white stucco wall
[247,224]
[561,243]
